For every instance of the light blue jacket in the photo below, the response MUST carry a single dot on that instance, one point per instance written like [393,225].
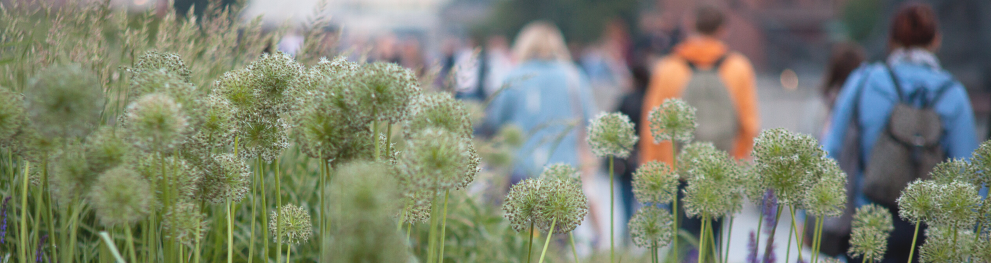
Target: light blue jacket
[543,98]
[878,98]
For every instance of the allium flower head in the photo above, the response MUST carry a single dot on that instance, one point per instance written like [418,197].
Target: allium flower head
[981,162]
[943,245]
[416,208]
[521,203]
[874,217]
[692,151]
[215,125]
[274,74]
[562,204]
[226,179]
[713,185]
[655,183]
[324,129]
[370,191]
[958,202]
[263,137]
[240,88]
[390,89]
[365,229]
[105,149]
[611,134]
[827,197]
[64,101]
[786,162]
[920,201]
[868,243]
[184,223]
[651,227]
[156,123]
[170,62]
[673,120]
[338,66]
[187,178]
[752,187]
[512,135]
[11,113]
[954,170]
[562,172]
[295,224]
[438,110]
[161,81]
[121,197]
[436,159]
[72,177]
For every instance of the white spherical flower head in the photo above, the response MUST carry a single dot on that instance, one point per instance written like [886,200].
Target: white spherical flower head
[64,101]
[11,114]
[920,201]
[121,197]
[612,134]
[437,159]
[295,224]
[673,120]
[786,163]
[827,197]
[562,205]
[958,203]
[226,179]
[170,62]
[520,206]
[438,110]
[156,123]
[651,227]
[655,183]
[562,172]
[946,245]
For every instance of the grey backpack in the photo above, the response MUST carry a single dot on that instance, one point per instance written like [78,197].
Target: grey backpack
[715,113]
[908,148]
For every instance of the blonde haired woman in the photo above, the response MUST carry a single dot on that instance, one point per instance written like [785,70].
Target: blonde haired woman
[547,96]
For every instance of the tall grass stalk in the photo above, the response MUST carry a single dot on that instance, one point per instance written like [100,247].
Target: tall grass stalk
[230,231]
[130,243]
[22,246]
[550,233]
[110,246]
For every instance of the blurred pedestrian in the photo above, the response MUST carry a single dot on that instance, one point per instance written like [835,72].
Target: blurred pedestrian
[910,78]
[481,71]
[845,58]
[606,65]
[548,97]
[718,83]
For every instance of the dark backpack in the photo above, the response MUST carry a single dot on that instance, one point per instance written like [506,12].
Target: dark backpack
[907,149]
[714,110]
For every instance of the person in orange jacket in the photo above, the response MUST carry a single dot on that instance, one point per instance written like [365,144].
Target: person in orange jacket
[673,72]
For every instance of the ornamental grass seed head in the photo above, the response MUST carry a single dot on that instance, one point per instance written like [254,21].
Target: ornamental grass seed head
[827,197]
[562,204]
[121,197]
[295,224]
[919,201]
[521,203]
[651,227]
[185,224]
[611,134]
[561,172]
[943,245]
[390,89]
[170,62]
[655,183]
[673,120]
[64,101]
[438,110]
[155,123]
[105,149]
[786,162]
[226,178]
[11,114]
[436,160]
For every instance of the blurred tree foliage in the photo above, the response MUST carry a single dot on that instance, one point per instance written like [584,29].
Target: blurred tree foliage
[860,17]
[580,20]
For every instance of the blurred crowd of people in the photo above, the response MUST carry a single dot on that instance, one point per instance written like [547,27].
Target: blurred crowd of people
[550,88]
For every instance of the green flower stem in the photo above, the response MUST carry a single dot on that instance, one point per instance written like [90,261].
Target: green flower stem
[702,251]
[529,243]
[612,208]
[230,231]
[729,234]
[653,252]
[574,252]
[800,238]
[264,211]
[980,227]
[278,210]
[914,237]
[548,241]
[388,139]
[865,260]
[196,250]
[22,247]
[443,229]
[375,138]
[432,237]
[37,209]
[402,218]
[130,243]
[712,243]
[674,206]
[254,209]
[818,245]
[409,226]
[288,253]
[323,206]
[760,223]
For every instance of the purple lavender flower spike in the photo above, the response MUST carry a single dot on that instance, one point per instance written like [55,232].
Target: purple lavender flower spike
[692,256]
[770,209]
[38,253]
[769,256]
[752,247]
[3,213]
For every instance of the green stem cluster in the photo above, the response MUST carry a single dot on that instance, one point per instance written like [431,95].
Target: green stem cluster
[548,241]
